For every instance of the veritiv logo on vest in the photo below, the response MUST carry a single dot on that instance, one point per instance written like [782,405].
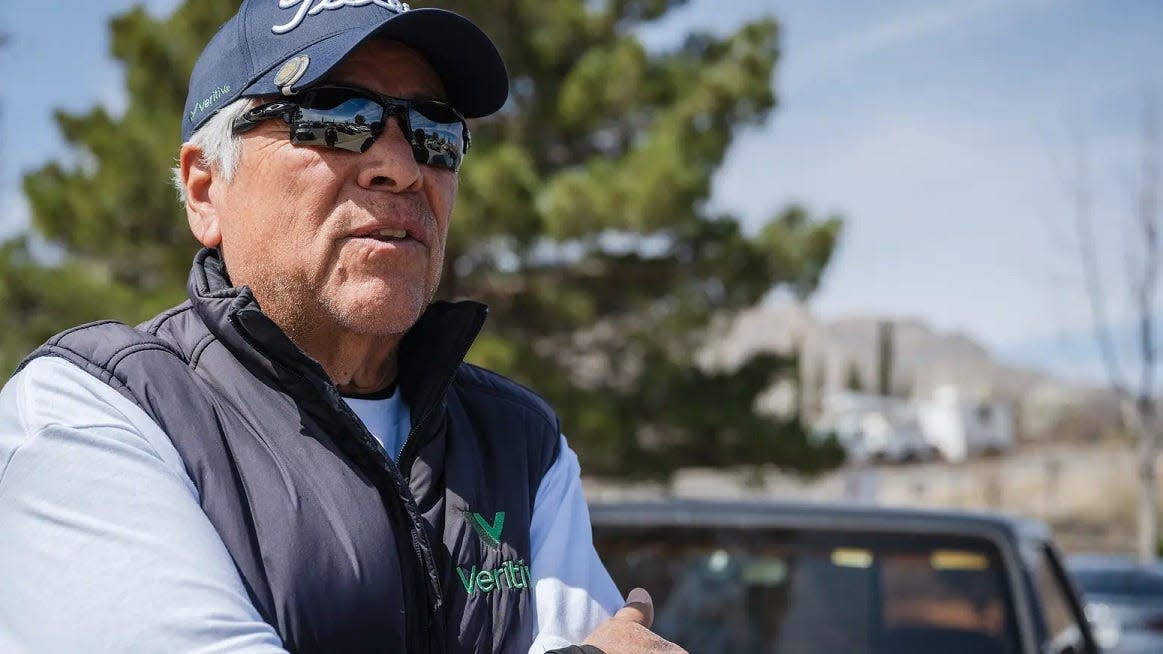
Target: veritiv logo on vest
[510,575]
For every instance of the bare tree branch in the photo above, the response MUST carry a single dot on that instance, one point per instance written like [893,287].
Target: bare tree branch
[1144,264]
[1148,219]
[1091,271]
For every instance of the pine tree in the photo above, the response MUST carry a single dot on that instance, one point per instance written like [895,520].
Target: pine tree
[581,220]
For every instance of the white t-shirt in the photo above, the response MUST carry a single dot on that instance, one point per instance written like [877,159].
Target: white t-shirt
[105,548]
[388,419]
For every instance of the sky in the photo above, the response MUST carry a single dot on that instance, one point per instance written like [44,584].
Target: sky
[945,133]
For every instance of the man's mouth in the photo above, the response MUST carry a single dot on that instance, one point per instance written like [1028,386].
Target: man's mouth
[388,235]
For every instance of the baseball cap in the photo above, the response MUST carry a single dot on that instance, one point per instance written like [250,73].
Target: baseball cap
[277,47]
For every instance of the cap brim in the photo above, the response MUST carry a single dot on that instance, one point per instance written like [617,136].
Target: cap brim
[462,55]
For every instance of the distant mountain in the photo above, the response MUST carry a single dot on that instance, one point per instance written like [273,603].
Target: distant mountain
[924,359]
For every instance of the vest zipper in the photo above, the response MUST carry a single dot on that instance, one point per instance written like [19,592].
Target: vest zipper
[398,472]
[406,455]
[417,531]
[403,491]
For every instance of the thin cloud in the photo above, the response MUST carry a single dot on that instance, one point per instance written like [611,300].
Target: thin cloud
[896,30]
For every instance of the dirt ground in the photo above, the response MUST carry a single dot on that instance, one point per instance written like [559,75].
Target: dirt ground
[1085,492]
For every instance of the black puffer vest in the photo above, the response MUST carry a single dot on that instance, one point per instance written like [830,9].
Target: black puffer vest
[340,549]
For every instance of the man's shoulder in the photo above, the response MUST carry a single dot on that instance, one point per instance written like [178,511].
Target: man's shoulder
[100,346]
[109,340]
[103,348]
[472,380]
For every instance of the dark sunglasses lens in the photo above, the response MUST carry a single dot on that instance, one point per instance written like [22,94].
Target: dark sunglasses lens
[346,119]
[337,119]
[437,136]
[437,112]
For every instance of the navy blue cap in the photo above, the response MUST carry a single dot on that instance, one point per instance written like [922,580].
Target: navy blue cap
[277,47]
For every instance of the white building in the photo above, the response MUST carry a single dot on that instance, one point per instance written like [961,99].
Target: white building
[872,427]
[959,429]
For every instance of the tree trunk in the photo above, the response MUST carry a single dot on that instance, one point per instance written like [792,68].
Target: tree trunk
[1148,504]
[1145,267]
[1148,500]
[1139,418]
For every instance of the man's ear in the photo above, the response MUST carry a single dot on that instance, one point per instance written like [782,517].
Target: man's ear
[199,178]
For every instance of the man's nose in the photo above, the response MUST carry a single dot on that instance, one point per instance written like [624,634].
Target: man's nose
[388,164]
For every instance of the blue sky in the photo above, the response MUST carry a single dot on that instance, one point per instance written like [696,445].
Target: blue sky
[942,130]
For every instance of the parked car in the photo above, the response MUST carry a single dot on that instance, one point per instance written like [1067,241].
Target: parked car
[788,578]
[1124,600]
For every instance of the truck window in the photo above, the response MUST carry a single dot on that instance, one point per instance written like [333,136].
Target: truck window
[949,590]
[805,591]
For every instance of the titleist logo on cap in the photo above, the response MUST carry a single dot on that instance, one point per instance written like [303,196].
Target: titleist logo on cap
[305,8]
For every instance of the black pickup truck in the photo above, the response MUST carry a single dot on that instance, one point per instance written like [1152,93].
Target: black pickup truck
[788,578]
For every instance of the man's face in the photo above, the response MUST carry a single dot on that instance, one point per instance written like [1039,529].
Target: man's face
[299,224]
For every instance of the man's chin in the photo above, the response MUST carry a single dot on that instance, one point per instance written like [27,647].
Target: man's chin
[388,317]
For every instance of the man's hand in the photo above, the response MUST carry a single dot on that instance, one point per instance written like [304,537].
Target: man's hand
[628,632]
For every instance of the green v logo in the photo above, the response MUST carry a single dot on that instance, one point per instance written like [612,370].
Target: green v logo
[489,532]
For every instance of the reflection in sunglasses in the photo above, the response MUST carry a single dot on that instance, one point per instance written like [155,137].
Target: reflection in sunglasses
[350,118]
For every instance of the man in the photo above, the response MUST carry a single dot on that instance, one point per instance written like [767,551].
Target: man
[297,458]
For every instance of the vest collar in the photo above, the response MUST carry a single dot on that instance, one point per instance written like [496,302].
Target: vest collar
[429,355]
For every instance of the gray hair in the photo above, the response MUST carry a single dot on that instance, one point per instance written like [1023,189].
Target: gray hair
[220,146]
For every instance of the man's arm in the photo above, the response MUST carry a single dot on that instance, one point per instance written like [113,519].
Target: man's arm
[576,598]
[572,590]
[105,547]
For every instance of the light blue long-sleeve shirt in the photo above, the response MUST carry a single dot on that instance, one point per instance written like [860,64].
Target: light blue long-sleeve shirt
[104,547]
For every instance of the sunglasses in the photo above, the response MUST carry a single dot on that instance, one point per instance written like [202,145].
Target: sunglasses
[351,118]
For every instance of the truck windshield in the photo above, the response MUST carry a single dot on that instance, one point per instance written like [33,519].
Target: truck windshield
[818,592]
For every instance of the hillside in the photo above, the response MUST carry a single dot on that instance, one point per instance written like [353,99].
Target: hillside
[924,359]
